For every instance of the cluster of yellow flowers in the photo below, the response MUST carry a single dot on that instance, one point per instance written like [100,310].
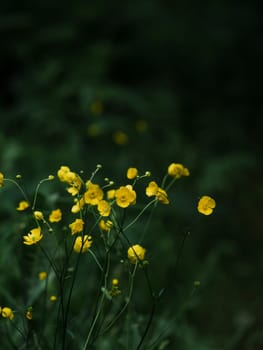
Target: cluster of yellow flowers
[102,200]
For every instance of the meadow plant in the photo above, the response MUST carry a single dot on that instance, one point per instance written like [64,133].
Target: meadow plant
[84,259]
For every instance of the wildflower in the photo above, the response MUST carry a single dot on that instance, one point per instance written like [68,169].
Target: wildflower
[1,179]
[42,275]
[136,253]
[105,225]
[104,208]
[115,282]
[120,138]
[7,313]
[53,298]
[125,196]
[38,215]
[33,236]
[206,205]
[114,288]
[177,170]
[154,190]
[132,173]
[78,205]
[76,226]
[51,177]
[82,244]
[23,205]
[29,314]
[94,194]
[111,194]
[55,215]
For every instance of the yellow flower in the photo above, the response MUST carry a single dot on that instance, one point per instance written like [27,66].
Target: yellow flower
[105,225]
[42,275]
[82,244]
[132,173]
[62,173]
[96,107]
[38,215]
[55,215]
[125,196]
[136,253]
[154,190]
[23,205]
[78,205]
[29,315]
[53,298]
[206,205]
[104,208]
[76,226]
[115,282]
[7,313]
[33,236]
[94,194]
[1,179]
[177,170]
[111,194]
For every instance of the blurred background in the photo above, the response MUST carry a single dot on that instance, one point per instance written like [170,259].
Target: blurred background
[146,83]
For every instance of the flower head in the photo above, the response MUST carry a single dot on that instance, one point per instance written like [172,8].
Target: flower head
[104,208]
[29,314]
[136,253]
[132,173]
[94,194]
[105,225]
[125,196]
[1,179]
[177,170]
[82,244]
[76,226]
[23,205]
[154,190]
[38,215]
[42,275]
[55,215]
[6,312]
[79,204]
[33,236]
[206,205]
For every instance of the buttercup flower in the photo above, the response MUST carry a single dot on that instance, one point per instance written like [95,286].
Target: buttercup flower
[136,253]
[23,205]
[66,175]
[76,226]
[42,275]
[111,194]
[55,215]
[154,190]
[1,179]
[132,173]
[7,313]
[29,314]
[120,138]
[206,205]
[53,298]
[82,244]
[38,215]
[33,236]
[79,204]
[94,194]
[177,170]
[125,196]
[104,208]
[105,225]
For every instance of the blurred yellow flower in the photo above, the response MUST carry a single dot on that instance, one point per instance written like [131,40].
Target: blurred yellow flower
[42,275]
[23,205]
[94,194]
[55,215]
[76,226]
[154,190]
[1,179]
[105,225]
[125,196]
[38,215]
[120,138]
[7,313]
[136,253]
[77,206]
[132,173]
[104,208]
[96,107]
[206,205]
[82,244]
[177,170]
[111,194]
[33,236]
[53,298]
[29,315]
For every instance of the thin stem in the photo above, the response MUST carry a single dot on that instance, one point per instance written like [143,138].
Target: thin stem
[139,215]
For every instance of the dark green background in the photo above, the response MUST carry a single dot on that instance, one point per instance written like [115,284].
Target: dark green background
[192,71]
